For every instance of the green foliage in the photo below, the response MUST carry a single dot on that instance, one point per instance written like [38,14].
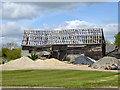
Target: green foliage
[11,54]
[68,59]
[117,40]
[4,51]
[10,51]
[33,56]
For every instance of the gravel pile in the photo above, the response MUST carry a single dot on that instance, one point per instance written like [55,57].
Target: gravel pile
[83,60]
[105,62]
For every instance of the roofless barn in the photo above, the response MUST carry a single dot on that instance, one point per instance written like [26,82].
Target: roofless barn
[61,43]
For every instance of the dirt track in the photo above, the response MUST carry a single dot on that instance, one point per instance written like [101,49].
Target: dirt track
[80,67]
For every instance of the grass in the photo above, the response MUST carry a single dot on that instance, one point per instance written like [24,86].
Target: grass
[59,78]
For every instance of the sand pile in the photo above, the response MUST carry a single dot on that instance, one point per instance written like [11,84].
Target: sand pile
[21,63]
[27,63]
[41,63]
[104,62]
[52,63]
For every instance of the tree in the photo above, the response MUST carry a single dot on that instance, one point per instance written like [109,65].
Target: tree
[11,51]
[11,45]
[117,40]
[4,51]
[11,54]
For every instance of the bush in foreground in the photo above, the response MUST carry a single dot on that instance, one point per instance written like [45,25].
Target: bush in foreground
[68,59]
[33,56]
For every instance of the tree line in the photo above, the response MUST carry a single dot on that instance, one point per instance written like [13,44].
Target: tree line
[10,51]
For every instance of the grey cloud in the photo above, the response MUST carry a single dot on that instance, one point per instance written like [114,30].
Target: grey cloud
[56,5]
[12,32]
[30,10]
[14,11]
[11,29]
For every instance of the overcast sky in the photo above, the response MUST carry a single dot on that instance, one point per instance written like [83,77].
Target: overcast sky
[17,17]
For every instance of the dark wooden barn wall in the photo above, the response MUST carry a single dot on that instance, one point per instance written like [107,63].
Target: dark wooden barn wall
[95,51]
[59,51]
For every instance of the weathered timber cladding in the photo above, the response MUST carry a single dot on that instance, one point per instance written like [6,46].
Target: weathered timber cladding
[59,47]
[59,51]
[35,48]
[93,51]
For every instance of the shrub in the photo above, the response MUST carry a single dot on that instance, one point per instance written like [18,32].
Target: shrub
[68,59]
[33,56]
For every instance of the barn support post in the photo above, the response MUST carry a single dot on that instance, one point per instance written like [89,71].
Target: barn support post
[119,52]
